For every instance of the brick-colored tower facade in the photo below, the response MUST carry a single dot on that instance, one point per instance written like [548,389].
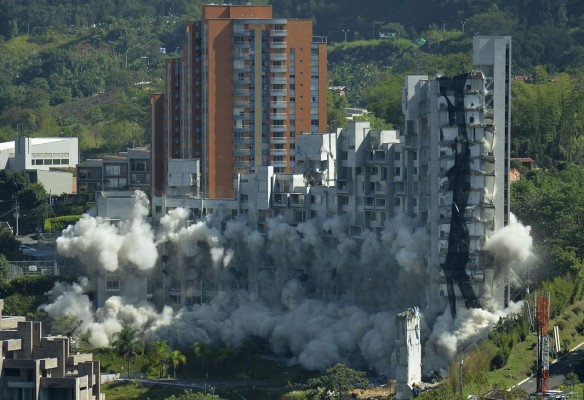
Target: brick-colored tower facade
[245,86]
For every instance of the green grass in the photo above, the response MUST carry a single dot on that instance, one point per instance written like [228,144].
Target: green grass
[523,355]
[24,45]
[130,391]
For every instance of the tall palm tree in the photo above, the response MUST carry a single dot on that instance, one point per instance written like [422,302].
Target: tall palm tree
[161,353]
[202,352]
[177,358]
[128,344]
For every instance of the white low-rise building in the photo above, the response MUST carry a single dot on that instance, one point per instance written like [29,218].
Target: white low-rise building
[47,160]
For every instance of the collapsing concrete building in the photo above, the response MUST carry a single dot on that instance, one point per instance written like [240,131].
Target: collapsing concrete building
[408,353]
[460,127]
[447,171]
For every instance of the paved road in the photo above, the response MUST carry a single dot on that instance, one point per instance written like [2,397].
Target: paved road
[558,370]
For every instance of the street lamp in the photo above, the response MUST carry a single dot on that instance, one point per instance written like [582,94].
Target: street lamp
[463,23]
[345,31]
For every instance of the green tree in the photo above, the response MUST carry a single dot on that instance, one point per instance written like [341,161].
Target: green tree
[202,353]
[190,395]
[65,325]
[374,122]
[384,99]
[9,247]
[128,345]
[17,190]
[336,111]
[161,353]
[176,359]
[337,380]
[4,268]
[572,379]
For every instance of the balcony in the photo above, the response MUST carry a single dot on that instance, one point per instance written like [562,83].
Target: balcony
[278,104]
[278,92]
[279,116]
[241,92]
[241,81]
[278,45]
[242,153]
[278,152]
[278,80]
[345,187]
[278,128]
[280,200]
[278,140]
[278,32]
[278,56]
[245,128]
[281,69]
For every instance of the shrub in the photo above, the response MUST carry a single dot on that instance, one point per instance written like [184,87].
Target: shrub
[57,224]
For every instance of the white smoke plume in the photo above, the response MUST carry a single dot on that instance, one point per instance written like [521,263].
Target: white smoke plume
[129,244]
[311,291]
[512,246]
[452,336]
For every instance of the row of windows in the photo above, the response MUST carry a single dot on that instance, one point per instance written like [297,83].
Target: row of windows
[50,161]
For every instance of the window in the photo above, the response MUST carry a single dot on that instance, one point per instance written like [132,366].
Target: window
[397,171]
[243,198]
[397,156]
[112,170]
[397,201]
[112,285]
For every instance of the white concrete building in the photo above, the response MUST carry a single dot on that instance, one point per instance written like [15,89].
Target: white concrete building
[457,136]
[45,159]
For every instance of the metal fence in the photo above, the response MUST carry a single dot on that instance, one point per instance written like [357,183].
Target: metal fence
[22,268]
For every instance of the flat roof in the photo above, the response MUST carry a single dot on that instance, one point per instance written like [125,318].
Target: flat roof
[35,141]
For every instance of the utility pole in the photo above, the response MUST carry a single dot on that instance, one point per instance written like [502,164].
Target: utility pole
[461,377]
[16,214]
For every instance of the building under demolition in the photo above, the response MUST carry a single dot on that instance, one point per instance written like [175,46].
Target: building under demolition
[447,172]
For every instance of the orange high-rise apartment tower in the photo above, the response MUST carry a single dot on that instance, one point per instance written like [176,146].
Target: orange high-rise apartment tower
[244,87]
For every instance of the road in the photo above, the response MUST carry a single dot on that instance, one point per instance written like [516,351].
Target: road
[558,370]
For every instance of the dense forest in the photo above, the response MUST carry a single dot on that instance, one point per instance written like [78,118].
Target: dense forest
[87,67]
